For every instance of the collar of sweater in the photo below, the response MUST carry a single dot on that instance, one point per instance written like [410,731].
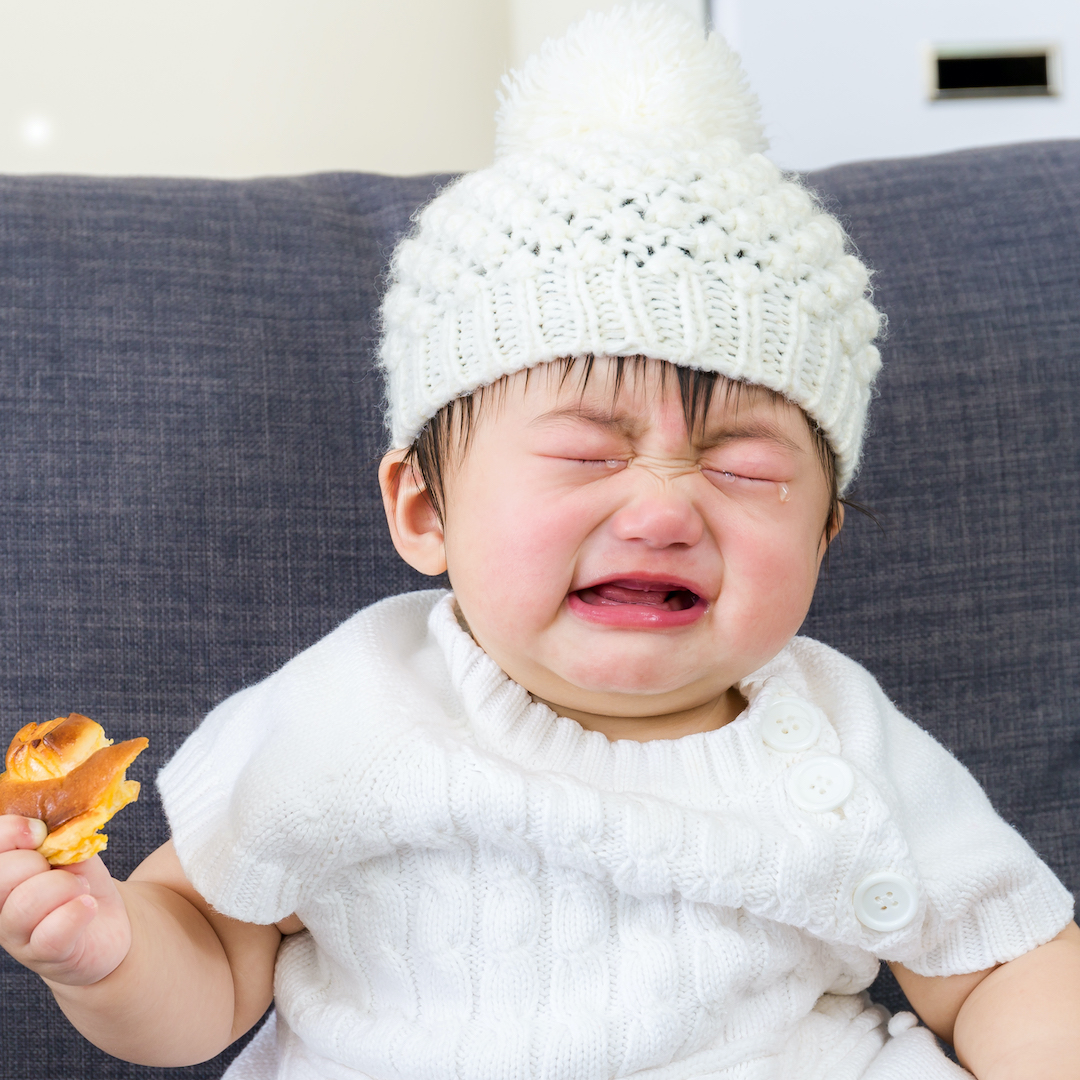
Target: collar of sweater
[504,720]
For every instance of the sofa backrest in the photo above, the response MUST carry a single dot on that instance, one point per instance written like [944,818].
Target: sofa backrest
[190,425]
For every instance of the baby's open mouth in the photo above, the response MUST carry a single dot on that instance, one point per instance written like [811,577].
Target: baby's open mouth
[654,594]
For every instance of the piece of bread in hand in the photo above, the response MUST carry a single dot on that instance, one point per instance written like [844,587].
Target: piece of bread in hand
[67,774]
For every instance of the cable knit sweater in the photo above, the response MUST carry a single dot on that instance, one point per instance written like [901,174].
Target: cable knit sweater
[493,893]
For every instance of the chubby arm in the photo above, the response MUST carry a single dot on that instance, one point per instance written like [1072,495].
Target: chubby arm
[1019,1019]
[145,969]
[192,982]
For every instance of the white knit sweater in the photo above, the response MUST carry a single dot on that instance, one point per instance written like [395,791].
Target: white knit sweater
[493,893]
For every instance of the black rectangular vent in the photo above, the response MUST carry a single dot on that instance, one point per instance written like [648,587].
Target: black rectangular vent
[1013,73]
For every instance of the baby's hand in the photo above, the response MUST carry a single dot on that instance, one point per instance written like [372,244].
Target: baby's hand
[69,925]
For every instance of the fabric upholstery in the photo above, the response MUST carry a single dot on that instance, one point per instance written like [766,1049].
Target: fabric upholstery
[190,422]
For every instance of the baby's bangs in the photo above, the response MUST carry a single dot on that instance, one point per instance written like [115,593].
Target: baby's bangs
[699,391]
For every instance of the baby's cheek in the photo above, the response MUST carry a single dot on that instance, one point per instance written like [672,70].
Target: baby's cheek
[531,570]
[515,563]
[778,577]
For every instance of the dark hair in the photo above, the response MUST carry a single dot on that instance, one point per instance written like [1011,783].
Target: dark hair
[450,429]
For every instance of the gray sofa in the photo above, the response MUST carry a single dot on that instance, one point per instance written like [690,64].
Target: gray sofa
[189,428]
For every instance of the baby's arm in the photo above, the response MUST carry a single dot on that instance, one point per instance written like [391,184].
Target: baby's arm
[1020,1019]
[143,968]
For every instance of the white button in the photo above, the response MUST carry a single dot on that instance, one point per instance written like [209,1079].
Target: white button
[821,784]
[885,901]
[790,724]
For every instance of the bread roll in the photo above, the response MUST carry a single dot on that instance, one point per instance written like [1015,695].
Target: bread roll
[67,774]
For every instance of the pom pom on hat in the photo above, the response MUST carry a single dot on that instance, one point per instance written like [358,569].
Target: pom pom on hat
[628,211]
[648,74]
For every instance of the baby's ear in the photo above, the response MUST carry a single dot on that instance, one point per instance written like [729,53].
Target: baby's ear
[837,522]
[415,528]
[832,529]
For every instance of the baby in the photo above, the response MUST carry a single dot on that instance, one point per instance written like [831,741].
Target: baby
[598,812]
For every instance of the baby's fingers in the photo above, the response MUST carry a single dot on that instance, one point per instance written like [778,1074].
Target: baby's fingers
[20,832]
[58,939]
[93,871]
[18,861]
[32,900]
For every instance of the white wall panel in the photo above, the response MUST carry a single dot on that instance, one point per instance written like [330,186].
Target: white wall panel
[844,80]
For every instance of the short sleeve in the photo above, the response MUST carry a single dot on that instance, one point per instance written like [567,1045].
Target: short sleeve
[210,830]
[283,778]
[990,898]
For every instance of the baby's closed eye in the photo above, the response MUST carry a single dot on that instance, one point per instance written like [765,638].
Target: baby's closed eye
[747,464]
[605,464]
[729,478]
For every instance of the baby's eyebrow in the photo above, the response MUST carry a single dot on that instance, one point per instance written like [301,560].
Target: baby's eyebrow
[751,428]
[605,418]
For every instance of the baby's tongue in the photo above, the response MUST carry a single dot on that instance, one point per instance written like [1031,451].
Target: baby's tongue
[616,593]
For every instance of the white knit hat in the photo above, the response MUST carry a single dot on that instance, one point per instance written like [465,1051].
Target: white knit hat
[629,211]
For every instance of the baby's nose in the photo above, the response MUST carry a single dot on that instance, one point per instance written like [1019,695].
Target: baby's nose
[660,520]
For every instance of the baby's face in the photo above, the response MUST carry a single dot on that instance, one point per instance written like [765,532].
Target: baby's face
[615,564]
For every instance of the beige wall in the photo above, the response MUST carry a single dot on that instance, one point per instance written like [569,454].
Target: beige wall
[255,87]
[249,87]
